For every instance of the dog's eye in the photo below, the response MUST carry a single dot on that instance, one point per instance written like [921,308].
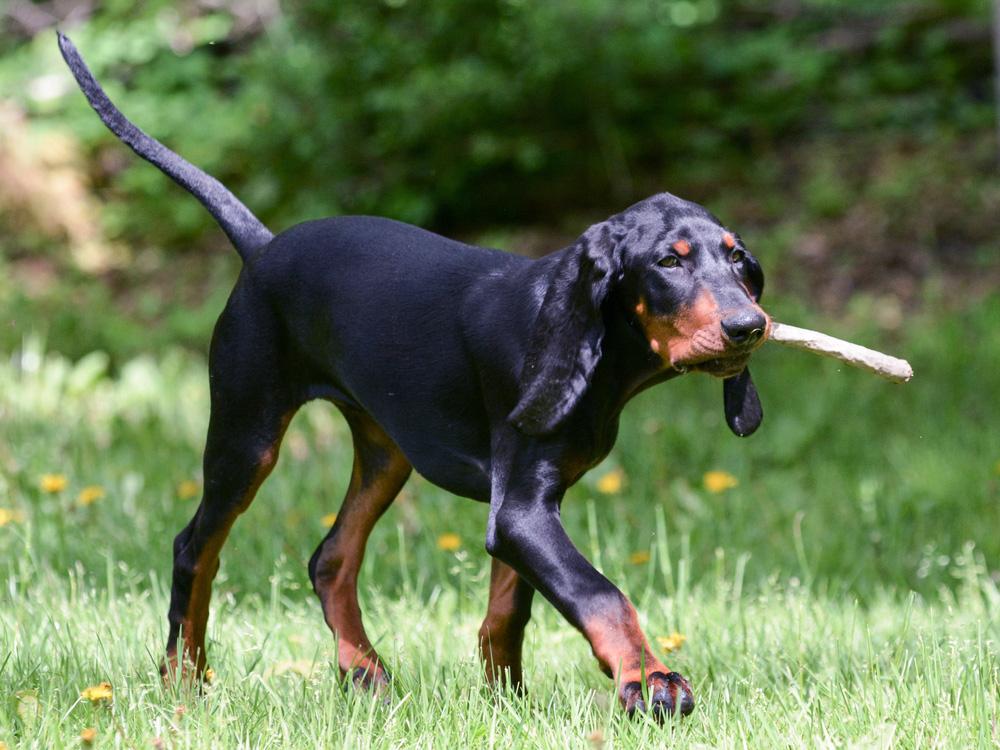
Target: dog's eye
[737,256]
[671,261]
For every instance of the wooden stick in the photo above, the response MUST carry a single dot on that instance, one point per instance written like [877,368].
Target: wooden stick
[890,368]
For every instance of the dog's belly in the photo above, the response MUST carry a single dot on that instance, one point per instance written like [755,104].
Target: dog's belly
[444,438]
[444,451]
[452,469]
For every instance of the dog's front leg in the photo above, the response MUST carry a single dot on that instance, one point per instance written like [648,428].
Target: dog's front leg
[525,531]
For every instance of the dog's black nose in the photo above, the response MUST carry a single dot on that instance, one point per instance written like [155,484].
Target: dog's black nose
[745,327]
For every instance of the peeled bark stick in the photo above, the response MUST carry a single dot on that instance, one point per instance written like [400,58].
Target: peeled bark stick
[890,368]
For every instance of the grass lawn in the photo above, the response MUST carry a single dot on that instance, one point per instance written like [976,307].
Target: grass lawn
[836,578]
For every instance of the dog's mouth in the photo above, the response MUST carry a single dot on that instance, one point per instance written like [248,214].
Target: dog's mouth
[719,362]
[721,367]
[710,352]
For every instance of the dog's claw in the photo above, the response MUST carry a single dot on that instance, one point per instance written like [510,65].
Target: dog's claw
[367,679]
[668,694]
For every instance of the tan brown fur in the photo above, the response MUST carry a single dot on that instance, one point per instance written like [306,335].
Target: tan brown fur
[619,645]
[682,247]
[502,633]
[369,494]
[195,622]
[692,333]
[691,336]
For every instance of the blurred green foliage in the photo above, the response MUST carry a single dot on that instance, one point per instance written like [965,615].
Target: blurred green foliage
[850,142]
[459,113]
[851,484]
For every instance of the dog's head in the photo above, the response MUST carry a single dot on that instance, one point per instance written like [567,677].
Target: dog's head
[687,284]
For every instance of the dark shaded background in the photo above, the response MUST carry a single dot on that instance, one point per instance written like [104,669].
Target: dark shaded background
[852,143]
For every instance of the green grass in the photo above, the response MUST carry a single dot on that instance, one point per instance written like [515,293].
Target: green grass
[780,667]
[844,593]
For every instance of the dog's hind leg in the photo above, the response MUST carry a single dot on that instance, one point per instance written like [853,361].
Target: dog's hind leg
[502,632]
[380,470]
[252,404]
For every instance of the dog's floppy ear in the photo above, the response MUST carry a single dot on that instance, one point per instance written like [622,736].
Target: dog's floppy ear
[565,343]
[742,404]
[755,274]
[739,395]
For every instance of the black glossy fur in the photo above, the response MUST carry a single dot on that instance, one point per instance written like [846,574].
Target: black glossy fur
[496,377]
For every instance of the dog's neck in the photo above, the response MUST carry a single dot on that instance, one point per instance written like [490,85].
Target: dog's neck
[628,365]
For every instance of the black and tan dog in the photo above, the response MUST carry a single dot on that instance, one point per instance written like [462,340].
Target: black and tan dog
[497,377]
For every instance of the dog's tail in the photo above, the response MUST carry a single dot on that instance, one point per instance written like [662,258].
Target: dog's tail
[244,230]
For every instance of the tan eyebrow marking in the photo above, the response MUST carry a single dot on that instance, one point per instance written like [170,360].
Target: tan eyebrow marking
[682,247]
[727,238]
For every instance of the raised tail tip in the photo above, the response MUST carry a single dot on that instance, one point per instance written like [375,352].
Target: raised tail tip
[245,230]
[72,57]
[66,46]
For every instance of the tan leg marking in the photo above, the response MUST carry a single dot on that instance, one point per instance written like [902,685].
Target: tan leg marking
[195,623]
[501,635]
[380,470]
[620,647]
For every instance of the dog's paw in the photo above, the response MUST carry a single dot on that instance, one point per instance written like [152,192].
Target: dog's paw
[667,693]
[183,673]
[372,679]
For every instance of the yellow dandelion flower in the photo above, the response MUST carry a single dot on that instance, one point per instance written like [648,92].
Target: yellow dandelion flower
[719,481]
[611,483]
[53,482]
[9,515]
[187,489]
[90,495]
[329,519]
[3,745]
[88,735]
[672,642]
[97,693]
[640,557]
[449,542]
[209,675]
